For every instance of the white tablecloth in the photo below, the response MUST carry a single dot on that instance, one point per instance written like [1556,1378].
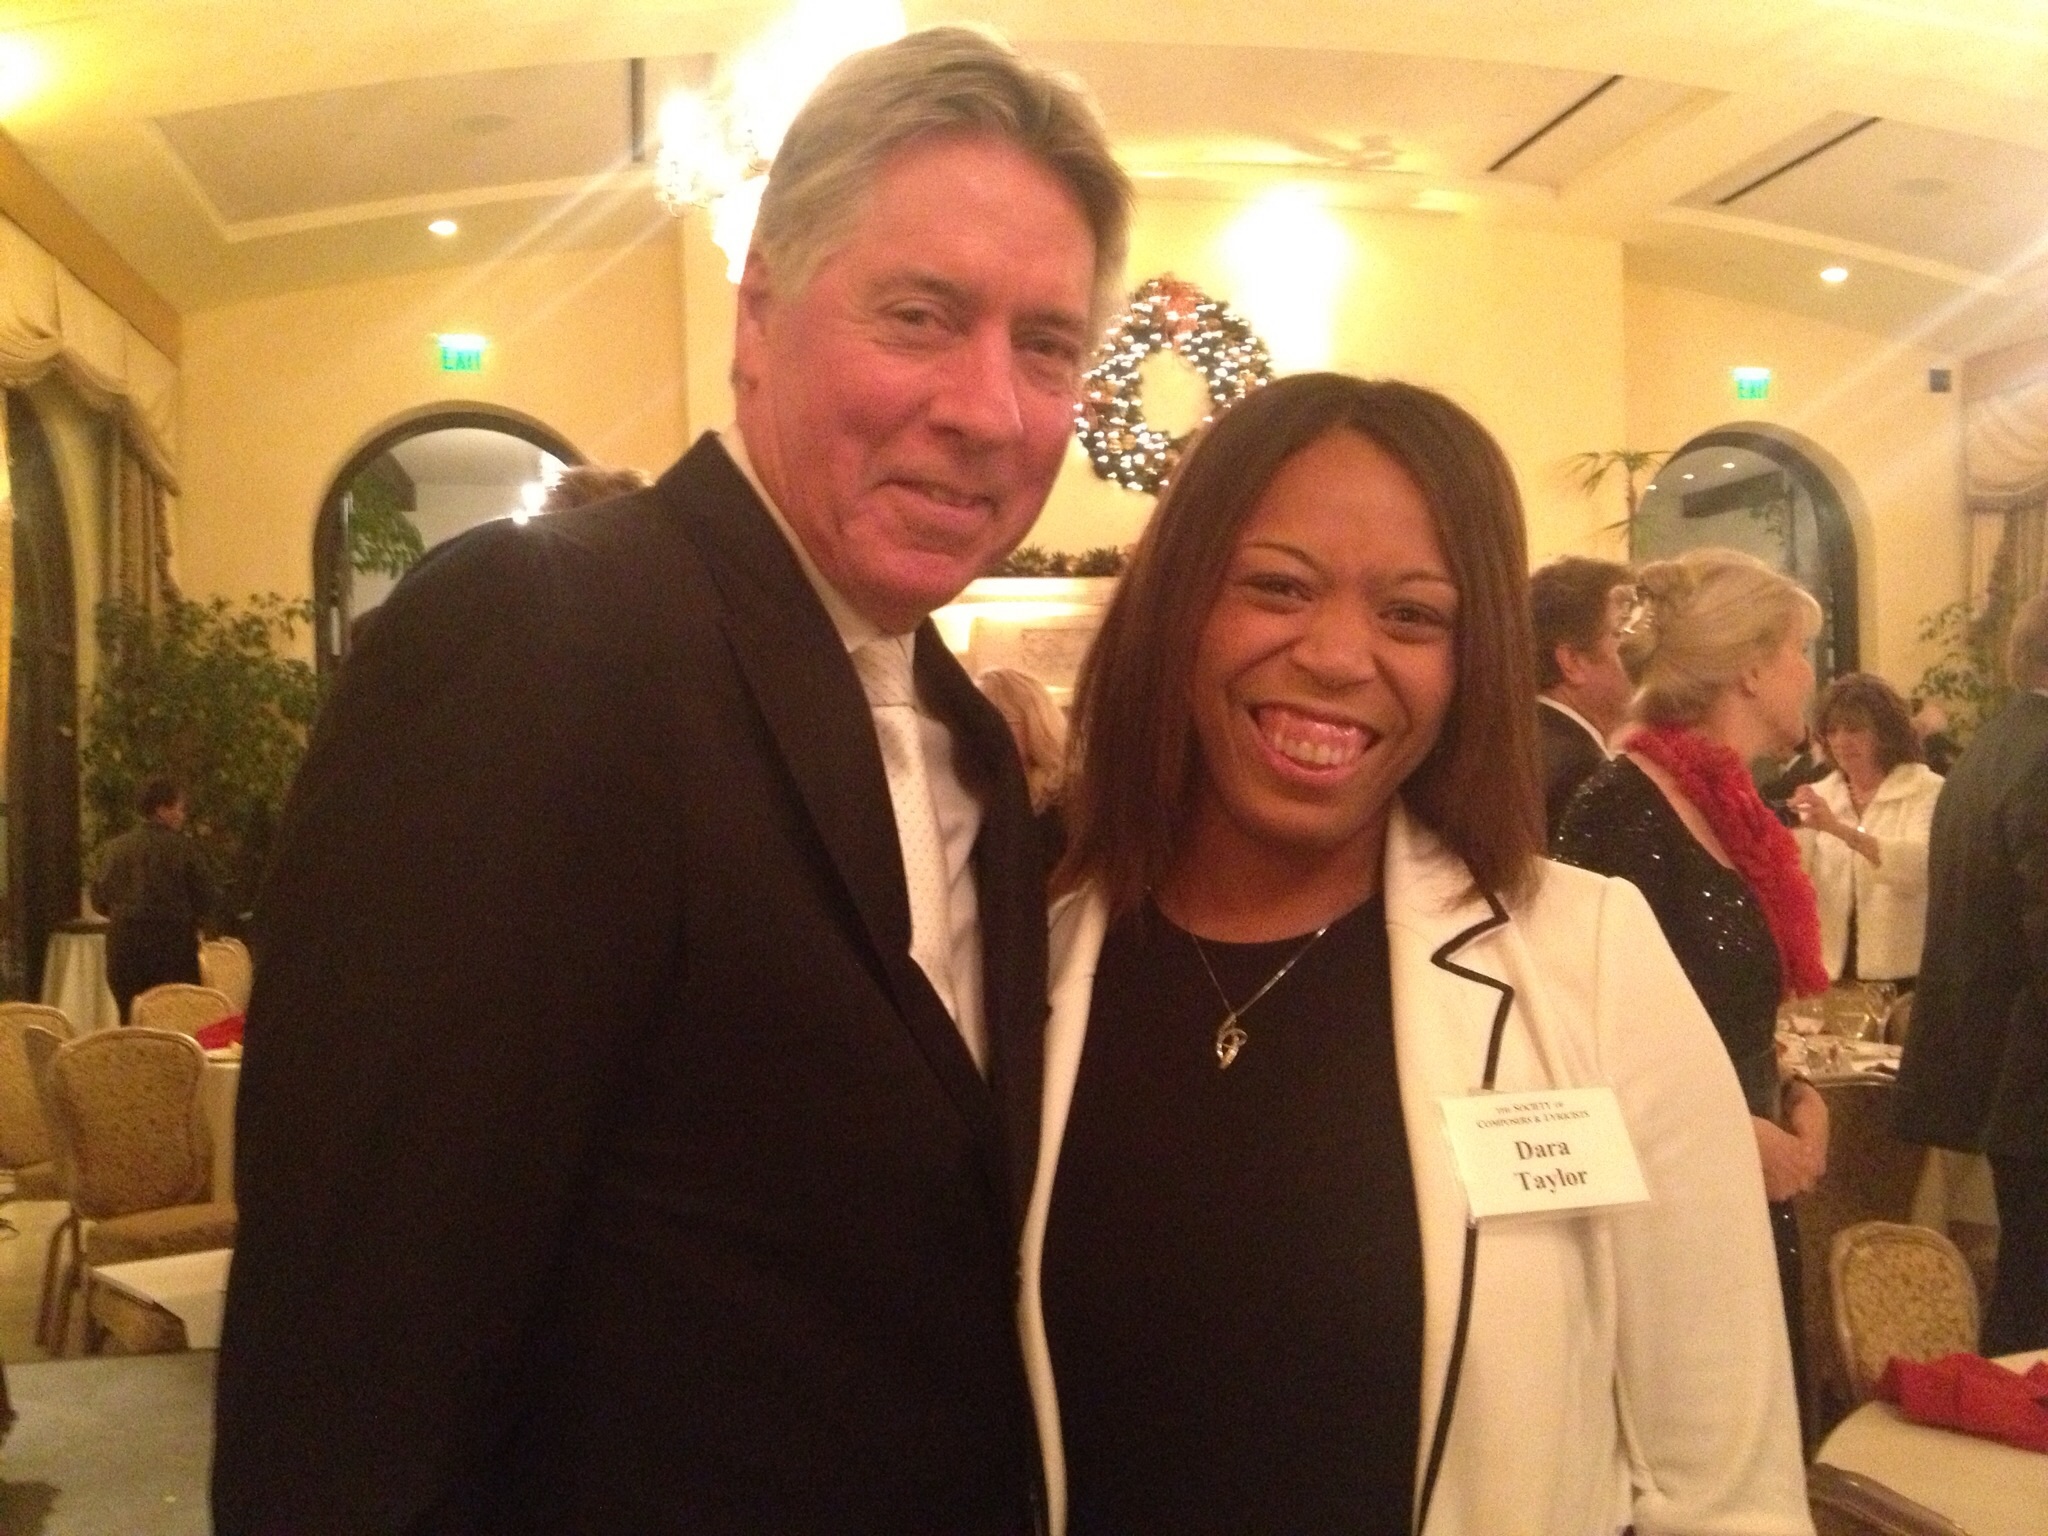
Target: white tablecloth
[75,979]
[191,1286]
[1987,1488]
[217,1092]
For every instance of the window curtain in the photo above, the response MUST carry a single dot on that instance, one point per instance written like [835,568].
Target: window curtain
[141,546]
[2005,465]
[50,320]
[6,606]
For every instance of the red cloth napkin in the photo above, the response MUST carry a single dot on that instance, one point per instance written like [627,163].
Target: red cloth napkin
[220,1032]
[1975,1395]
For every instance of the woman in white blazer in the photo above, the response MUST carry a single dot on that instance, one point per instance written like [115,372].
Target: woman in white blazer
[1863,832]
[1305,916]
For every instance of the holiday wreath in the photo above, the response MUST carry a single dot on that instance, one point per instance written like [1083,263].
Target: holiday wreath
[1165,315]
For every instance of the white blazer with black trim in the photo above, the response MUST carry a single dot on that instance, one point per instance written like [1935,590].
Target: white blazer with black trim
[1628,1367]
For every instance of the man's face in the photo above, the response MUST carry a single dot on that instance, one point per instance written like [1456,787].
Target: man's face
[1595,679]
[909,408]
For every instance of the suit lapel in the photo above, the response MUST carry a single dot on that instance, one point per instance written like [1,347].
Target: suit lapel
[795,666]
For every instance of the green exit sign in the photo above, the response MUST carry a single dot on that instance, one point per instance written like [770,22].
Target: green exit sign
[1752,383]
[461,353]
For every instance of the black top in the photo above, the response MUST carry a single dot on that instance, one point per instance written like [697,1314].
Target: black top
[1233,1265]
[1570,757]
[1621,824]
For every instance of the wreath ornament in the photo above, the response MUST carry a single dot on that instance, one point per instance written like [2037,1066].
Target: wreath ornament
[1165,315]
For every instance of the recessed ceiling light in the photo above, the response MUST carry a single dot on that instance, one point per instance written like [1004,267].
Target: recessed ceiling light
[442,227]
[1834,274]
[1686,476]
[1651,486]
[1729,465]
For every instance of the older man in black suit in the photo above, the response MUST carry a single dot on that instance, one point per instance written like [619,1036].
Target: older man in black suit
[1975,1073]
[642,1077]
[1583,690]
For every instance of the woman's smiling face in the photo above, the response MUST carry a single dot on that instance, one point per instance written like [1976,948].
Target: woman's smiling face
[1326,668]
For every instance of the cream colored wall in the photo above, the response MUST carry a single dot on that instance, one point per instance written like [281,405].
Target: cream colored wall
[1860,401]
[1536,333]
[277,393]
[1523,328]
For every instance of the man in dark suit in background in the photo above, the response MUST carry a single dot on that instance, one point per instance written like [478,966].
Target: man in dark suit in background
[1975,1073]
[642,1076]
[1583,691]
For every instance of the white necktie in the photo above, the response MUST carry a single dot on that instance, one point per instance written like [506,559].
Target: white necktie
[884,669]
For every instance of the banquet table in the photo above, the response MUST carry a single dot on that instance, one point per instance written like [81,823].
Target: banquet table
[217,1093]
[1987,1488]
[192,1287]
[75,976]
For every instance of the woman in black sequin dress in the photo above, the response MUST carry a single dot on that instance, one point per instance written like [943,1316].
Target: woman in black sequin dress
[1717,647]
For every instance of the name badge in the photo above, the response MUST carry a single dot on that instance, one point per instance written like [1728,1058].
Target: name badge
[1553,1151]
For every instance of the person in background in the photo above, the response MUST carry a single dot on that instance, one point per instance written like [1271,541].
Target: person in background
[1576,607]
[1975,1073]
[1718,651]
[1307,907]
[642,1075]
[1863,833]
[1039,728]
[1938,748]
[1779,775]
[580,485]
[154,888]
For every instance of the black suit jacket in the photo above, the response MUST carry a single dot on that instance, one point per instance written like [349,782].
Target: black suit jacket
[605,1163]
[1975,1073]
[1569,757]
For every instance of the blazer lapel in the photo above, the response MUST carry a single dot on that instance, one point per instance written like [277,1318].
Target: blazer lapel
[796,668]
[1450,1013]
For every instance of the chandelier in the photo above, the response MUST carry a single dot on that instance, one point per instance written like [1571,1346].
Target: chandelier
[717,143]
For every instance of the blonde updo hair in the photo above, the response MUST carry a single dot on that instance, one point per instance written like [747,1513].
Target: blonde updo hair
[1027,707]
[1700,622]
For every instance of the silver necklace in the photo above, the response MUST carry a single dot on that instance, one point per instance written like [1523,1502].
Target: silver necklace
[1230,1035]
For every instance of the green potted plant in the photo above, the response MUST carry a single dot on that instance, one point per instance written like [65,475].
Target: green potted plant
[200,692]
[1590,470]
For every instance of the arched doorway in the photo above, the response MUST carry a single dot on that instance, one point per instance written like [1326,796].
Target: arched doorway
[1741,488]
[42,710]
[441,472]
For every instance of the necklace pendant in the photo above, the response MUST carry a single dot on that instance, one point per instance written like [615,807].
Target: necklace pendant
[1230,1040]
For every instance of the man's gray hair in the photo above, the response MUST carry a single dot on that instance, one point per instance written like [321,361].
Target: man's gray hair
[939,80]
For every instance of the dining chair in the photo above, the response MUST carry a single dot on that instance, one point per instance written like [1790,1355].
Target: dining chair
[137,1154]
[224,965]
[39,1046]
[1850,1504]
[25,1150]
[56,1020]
[1898,1290]
[180,1006]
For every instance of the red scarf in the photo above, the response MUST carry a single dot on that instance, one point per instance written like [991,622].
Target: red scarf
[1712,777]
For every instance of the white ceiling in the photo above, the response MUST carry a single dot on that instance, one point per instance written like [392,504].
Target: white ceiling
[230,148]
[470,456]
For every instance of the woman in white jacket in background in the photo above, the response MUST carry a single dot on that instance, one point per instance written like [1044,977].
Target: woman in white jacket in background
[1305,914]
[1863,833]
